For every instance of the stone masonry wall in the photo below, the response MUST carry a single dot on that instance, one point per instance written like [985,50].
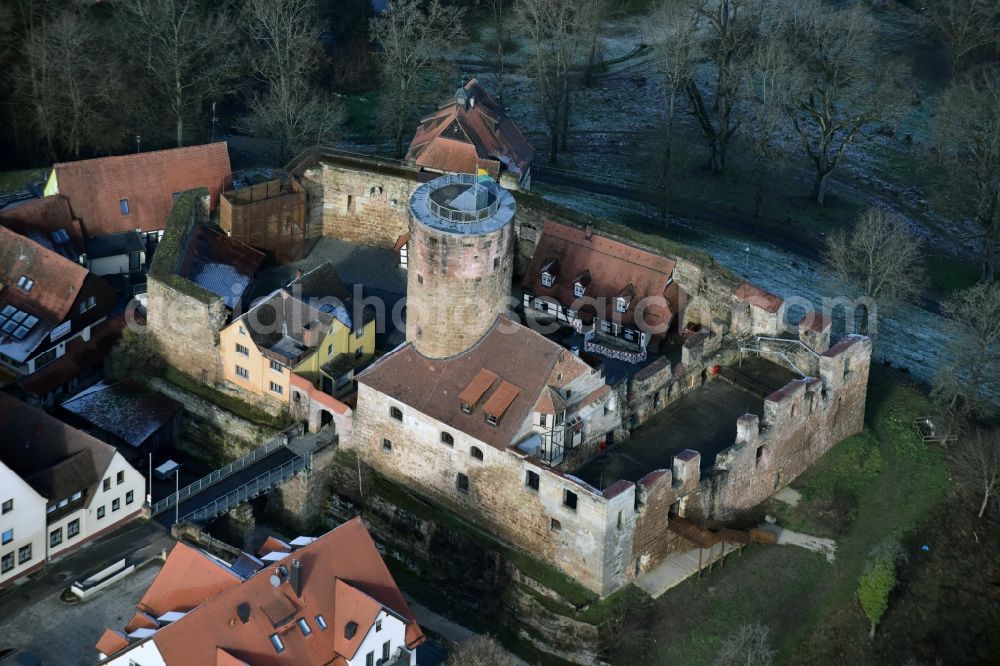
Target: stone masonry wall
[186,330]
[358,204]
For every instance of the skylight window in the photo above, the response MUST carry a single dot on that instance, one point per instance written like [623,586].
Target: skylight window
[304,626]
[60,236]
[276,642]
[25,283]
[321,621]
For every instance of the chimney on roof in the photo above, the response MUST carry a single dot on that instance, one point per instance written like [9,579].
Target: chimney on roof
[462,98]
[590,231]
[350,629]
[295,579]
[243,612]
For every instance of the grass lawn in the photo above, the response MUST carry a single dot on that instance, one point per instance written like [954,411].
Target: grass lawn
[15,181]
[882,483]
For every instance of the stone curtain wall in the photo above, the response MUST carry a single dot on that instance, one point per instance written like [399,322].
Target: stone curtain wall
[357,203]
[498,497]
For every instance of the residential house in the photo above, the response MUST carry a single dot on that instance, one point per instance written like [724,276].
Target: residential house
[220,264]
[308,328]
[135,192]
[135,419]
[470,133]
[49,222]
[621,297]
[46,303]
[115,254]
[311,602]
[59,488]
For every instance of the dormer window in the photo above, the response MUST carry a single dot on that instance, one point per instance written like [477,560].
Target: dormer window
[549,272]
[578,289]
[621,304]
[548,279]
[25,283]
[492,420]
[123,204]
[467,408]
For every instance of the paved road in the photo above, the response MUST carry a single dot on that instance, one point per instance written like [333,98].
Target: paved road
[139,539]
[227,485]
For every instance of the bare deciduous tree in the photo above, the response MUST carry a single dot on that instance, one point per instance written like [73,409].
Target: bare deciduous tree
[556,31]
[68,98]
[749,645]
[184,51]
[968,142]
[732,27]
[965,25]
[498,12]
[879,260]
[413,36]
[670,31]
[770,76]
[844,90]
[480,651]
[976,463]
[282,52]
[971,374]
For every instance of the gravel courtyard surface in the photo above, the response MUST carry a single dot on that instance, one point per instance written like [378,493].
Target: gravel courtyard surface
[65,634]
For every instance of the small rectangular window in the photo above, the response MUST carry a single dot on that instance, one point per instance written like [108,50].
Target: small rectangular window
[541,420]
[240,349]
[100,511]
[116,504]
[531,480]
[77,495]
[129,497]
[120,478]
[555,525]
[73,528]
[8,563]
[329,350]
[276,388]
[386,445]
[359,352]
[55,537]
[242,372]
[8,506]
[304,626]
[8,536]
[123,204]
[370,659]
[23,554]
[467,408]
[462,483]
[358,332]
[276,642]
[277,367]
[385,651]
[492,420]
[569,499]
[321,622]
[378,625]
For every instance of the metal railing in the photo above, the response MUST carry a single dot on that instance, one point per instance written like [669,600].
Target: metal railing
[218,475]
[251,489]
[454,214]
[779,347]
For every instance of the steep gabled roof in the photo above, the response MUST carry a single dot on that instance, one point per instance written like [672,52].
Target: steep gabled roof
[56,280]
[343,577]
[147,180]
[609,269]
[53,458]
[42,220]
[470,129]
[187,580]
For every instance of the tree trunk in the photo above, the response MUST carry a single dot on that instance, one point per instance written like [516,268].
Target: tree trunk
[986,502]
[819,188]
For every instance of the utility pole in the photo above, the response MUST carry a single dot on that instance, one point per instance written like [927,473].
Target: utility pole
[214,120]
[177,492]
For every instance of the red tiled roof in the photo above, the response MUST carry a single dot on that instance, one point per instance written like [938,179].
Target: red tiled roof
[352,605]
[514,353]
[57,279]
[501,399]
[611,268]
[345,554]
[111,642]
[188,579]
[148,180]
[400,242]
[478,387]
[38,219]
[458,136]
[757,297]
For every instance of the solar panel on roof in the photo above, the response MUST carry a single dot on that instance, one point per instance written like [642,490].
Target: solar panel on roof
[8,310]
[9,327]
[30,321]
[19,316]
[21,332]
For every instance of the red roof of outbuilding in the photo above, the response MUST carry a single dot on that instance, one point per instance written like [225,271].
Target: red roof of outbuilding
[458,137]
[39,219]
[757,297]
[148,180]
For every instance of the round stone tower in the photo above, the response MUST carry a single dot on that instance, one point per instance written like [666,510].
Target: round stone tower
[460,262]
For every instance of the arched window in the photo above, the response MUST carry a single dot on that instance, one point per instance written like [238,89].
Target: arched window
[476,453]
[446,438]
[396,413]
